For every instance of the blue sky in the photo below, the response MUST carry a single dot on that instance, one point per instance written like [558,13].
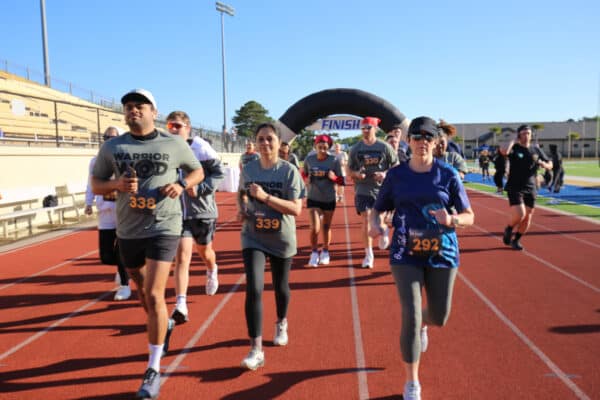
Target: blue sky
[464,61]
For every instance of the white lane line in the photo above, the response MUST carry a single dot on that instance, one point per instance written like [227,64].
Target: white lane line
[546,263]
[363,386]
[566,235]
[536,350]
[41,333]
[198,335]
[62,264]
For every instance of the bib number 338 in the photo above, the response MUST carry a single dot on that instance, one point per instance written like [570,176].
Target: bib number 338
[142,204]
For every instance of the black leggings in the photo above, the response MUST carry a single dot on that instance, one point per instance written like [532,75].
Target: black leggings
[254,266]
[109,252]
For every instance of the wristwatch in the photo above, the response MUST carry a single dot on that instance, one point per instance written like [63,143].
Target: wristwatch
[455,222]
[182,182]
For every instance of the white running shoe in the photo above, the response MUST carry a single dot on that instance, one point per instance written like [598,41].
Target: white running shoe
[254,359]
[412,391]
[281,336]
[180,314]
[314,259]
[123,293]
[384,239]
[324,257]
[424,339]
[368,261]
[212,282]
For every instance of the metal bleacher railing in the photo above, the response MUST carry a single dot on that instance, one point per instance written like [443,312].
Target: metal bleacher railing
[68,115]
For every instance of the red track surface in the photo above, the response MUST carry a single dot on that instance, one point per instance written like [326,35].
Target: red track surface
[524,325]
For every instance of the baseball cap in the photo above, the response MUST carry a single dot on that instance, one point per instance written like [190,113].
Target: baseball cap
[373,121]
[324,138]
[424,124]
[141,95]
[523,127]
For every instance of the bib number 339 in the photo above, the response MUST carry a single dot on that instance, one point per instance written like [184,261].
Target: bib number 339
[267,222]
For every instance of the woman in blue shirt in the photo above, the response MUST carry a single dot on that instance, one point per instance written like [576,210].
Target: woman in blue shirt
[424,248]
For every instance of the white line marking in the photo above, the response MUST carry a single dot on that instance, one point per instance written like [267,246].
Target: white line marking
[546,263]
[41,333]
[537,351]
[62,264]
[363,386]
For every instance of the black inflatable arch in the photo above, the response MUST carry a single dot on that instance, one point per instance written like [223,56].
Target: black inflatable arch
[338,101]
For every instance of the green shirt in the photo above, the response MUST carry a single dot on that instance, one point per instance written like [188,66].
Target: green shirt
[156,159]
[265,228]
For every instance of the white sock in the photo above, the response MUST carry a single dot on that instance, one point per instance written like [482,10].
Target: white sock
[155,355]
[213,272]
[369,252]
[181,300]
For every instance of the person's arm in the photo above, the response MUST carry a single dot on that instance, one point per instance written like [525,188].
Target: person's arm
[289,207]
[214,174]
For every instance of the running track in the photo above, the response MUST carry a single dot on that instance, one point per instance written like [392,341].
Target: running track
[524,324]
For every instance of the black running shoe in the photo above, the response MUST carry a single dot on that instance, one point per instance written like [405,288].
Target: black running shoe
[507,235]
[515,244]
[179,317]
[150,385]
[170,327]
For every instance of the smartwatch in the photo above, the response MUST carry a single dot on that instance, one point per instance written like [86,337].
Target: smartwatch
[182,182]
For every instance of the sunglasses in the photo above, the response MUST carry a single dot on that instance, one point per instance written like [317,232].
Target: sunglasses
[175,125]
[366,127]
[428,137]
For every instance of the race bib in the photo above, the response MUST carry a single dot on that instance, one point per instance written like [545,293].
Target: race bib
[267,222]
[142,204]
[112,196]
[424,243]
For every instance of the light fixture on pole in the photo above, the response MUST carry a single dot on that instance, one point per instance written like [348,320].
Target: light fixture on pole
[224,8]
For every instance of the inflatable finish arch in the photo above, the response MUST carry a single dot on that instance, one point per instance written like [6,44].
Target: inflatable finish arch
[338,101]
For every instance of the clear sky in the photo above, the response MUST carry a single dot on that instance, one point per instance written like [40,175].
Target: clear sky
[464,61]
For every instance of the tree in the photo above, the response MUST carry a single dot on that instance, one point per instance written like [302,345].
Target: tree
[572,136]
[249,116]
[535,128]
[496,131]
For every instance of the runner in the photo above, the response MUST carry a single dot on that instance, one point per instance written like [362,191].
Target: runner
[270,196]
[424,249]
[323,172]
[199,216]
[524,160]
[144,164]
[368,162]
[342,158]
[249,155]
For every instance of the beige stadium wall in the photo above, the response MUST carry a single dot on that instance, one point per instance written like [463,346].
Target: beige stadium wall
[25,170]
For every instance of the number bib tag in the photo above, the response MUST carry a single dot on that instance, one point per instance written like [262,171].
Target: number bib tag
[267,221]
[145,204]
[112,196]
[424,243]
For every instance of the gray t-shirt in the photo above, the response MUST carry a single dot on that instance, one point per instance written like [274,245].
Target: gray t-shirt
[454,159]
[379,156]
[265,228]
[247,157]
[156,159]
[320,187]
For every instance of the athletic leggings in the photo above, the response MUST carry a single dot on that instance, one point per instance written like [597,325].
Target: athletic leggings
[109,252]
[254,266]
[410,280]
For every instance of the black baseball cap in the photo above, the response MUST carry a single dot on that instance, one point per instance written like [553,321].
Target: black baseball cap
[423,124]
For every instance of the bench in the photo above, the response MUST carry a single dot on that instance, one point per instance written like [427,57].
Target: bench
[18,213]
[67,201]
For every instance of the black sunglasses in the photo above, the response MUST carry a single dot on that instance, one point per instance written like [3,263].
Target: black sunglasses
[366,127]
[420,136]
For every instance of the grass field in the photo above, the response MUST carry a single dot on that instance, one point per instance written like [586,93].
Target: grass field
[587,168]
[572,208]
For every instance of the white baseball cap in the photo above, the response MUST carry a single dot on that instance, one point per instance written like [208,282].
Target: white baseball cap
[137,95]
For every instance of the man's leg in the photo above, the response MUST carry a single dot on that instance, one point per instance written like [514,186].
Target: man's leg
[182,278]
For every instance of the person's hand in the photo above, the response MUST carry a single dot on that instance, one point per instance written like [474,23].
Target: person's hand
[379,176]
[127,185]
[257,192]
[88,210]
[172,190]
[331,175]
[192,191]
[442,216]
[376,230]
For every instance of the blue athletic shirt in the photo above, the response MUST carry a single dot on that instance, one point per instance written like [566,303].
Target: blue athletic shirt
[411,195]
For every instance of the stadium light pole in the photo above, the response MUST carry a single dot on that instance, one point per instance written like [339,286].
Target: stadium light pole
[45,44]
[224,8]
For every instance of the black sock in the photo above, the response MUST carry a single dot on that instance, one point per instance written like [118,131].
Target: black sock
[509,229]
[518,236]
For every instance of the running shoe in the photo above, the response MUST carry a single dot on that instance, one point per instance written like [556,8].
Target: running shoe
[254,359]
[324,257]
[424,339]
[123,293]
[314,259]
[170,326]
[368,261]
[412,391]
[281,336]
[212,282]
[180,314]
[515,244]
[384,239]
[150,385]
[507,235]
